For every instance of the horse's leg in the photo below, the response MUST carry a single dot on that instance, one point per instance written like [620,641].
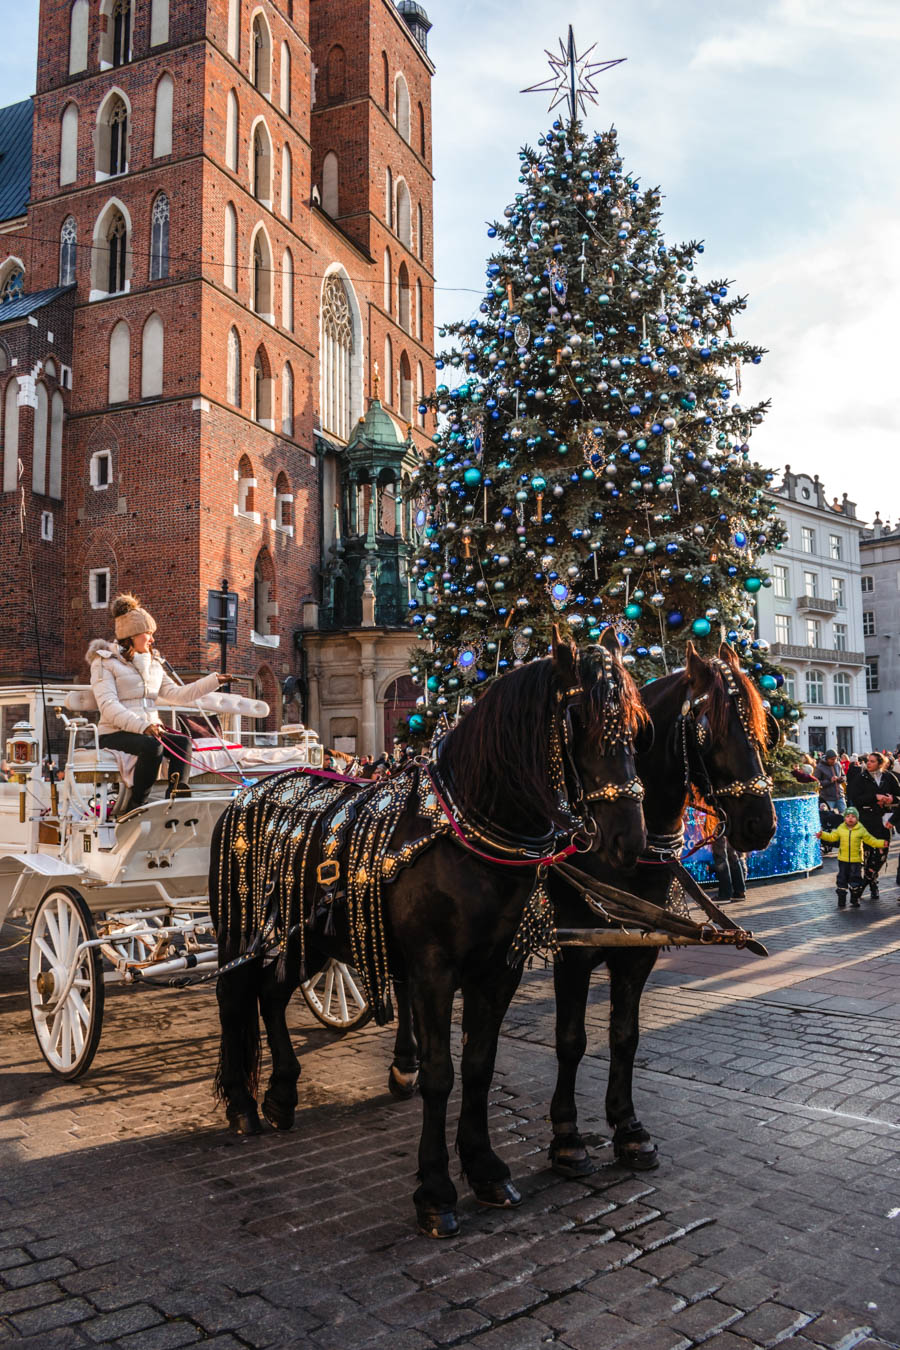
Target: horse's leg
[484,1006]
[236,1080]
[571,980]
[628,971]
[431,994]
[403,1076]
[280,1101]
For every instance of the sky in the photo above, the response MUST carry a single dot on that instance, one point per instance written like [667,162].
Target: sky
[772,129]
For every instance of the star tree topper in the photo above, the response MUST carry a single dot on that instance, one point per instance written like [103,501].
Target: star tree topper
[573,76]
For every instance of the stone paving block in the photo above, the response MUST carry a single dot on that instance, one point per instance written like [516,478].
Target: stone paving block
[615,1286]
[456,1325]
[13,1256]
[656,1338]
[570,1311]
[770,1323]
[167,1336]
[606,1330]
[699,1320]
[51,1315]
[112,1326]
[512,1301]
[523,1333]
[31,1296]
[837,1331]
[650,1307]
[60,1338]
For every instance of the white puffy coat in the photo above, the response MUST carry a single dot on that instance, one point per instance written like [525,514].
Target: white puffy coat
[126,697]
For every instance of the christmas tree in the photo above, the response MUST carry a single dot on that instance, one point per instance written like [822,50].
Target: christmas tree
[592,464]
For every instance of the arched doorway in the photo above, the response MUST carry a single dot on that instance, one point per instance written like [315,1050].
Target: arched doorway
[399,701]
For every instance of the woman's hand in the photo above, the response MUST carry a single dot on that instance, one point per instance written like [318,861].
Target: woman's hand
[155,730]
[223,679]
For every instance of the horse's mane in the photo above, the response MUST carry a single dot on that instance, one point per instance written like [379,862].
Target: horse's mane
[497,756]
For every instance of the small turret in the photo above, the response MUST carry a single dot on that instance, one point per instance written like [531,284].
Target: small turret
[416,20]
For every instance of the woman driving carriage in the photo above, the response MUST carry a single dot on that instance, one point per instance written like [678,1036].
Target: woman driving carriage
[127,679]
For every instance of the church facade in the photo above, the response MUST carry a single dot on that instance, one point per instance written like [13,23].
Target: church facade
[216,328]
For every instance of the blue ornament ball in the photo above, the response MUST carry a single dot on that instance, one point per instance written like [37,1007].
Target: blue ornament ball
[674,619]
[768,682]
[416,722]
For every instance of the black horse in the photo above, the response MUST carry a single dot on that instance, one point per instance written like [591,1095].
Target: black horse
[711,733]
[547,753]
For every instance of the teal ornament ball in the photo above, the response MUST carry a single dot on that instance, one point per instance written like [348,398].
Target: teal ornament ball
[434,683]
[632,611]
[417,722]
[701,627]
[778,710]
[472,477]
[768,682]
[794,714]
[752,584]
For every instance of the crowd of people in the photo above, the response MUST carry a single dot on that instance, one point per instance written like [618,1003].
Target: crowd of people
[859,809]
[368,766]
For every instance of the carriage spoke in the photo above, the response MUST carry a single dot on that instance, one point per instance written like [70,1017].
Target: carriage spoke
[83,1011]
[52,931]
[328,992]
[351,984]
[66,1036]
[62,918]
[341,993]
[45,950]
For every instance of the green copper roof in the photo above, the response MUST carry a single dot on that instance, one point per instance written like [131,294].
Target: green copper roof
[376,431]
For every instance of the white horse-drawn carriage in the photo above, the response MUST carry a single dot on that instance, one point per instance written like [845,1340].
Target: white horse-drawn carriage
[123,901]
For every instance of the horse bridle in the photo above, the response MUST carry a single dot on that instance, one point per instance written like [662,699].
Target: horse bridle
[758,786]
[569,700]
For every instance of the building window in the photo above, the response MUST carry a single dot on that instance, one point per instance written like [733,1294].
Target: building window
[287,401]
[422,142]
[842,690]
[233,38]
[284,86]
[835,550]
[231,278]
[39,439]
[261,391]
[262,164]
[335,74]
[265,608]
[403,297]
[11,436]
[401,107]
[116,124]
[813,632]
[68,145]
[121,32]
[159,22]
[162,117]
[808,539]
[790,685]
[389,199]
[232,131]
[287,185]
[782,627]
[406,388]
[845,743]
[866,584]
[869,623]
[159,239]
[47,526]
[420,231]
[404,214]
[261,55]
[117,245]
[119,363]
[78,36]
[838,593]
[388,371]
[68,251]
[388,282]
[815,686]
[246,480]
[101,470]
[233,377]
[840,637]
[261,297]
[781,579]
[419,314]
[152,353]
[284,503]
[98,587]
[872,675]
[337,347]
[12,284]
[287,291]
[385,81]
[57,413]
[811,583]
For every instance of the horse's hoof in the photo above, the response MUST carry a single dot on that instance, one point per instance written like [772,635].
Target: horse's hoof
[571,1162]
[437,1223]
[279,1117]
[402,1085]
[634,1148]
[496,1194]
[245,1122]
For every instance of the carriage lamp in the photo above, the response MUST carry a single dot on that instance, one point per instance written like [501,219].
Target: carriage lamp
[21,756]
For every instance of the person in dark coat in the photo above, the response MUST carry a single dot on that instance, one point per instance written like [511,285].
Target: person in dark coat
[730,869]
[874,791]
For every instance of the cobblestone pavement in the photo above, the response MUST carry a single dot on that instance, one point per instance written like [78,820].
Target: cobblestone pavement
[129,1218]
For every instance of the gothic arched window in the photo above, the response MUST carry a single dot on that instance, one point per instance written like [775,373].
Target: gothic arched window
[12,284]
[117,122]
[117,243]
[159,238]
[68,250]
[121,32]
[337,347]
[233,376]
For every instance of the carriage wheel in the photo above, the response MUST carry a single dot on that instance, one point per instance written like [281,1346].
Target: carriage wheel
[335,997]
[67,1033]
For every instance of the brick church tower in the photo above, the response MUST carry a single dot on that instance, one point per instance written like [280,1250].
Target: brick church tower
[229,225]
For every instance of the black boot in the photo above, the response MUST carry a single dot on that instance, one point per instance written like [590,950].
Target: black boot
[854,899]
[842,899]
[873,889]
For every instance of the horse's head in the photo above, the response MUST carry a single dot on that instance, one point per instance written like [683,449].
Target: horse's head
[726,732]
[600,718]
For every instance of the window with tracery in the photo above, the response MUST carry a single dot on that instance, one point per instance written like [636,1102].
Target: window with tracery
[159,239]
[13,285]
[68,251]
[117,120]
[117,242]
[121,48]
[337,348]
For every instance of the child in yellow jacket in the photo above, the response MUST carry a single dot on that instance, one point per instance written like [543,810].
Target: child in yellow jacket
[850,838]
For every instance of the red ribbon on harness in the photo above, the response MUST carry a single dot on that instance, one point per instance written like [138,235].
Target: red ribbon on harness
[488,857]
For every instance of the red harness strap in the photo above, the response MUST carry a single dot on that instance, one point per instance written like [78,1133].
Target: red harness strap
[488,857]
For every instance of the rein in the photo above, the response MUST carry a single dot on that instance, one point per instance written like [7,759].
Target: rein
[548,861]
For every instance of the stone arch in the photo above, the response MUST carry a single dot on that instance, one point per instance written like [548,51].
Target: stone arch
[232,131]
[260,161]
[261,389]
[231,247]
[246,486]
[159,22]
[112,135]
[152,356]
[79,19]
[287,290]
[404,214]
[163,109]
[284,80]
[287,182]
[261,289]
[68,144]
[111,251]
[12,278]
[406,388]
[233,368]
[401,106]
[403,297]
[352,403]
[41,428]
[287,399]
[11,435]
[119,373]
[261,53]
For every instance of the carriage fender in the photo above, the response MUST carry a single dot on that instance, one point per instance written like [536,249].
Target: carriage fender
[25,877]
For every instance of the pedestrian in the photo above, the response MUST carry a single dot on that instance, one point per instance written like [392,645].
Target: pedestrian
[874,791]
[851,837]
[127,678]
[730,869]
[844,759]
[830,777]
[4,771]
